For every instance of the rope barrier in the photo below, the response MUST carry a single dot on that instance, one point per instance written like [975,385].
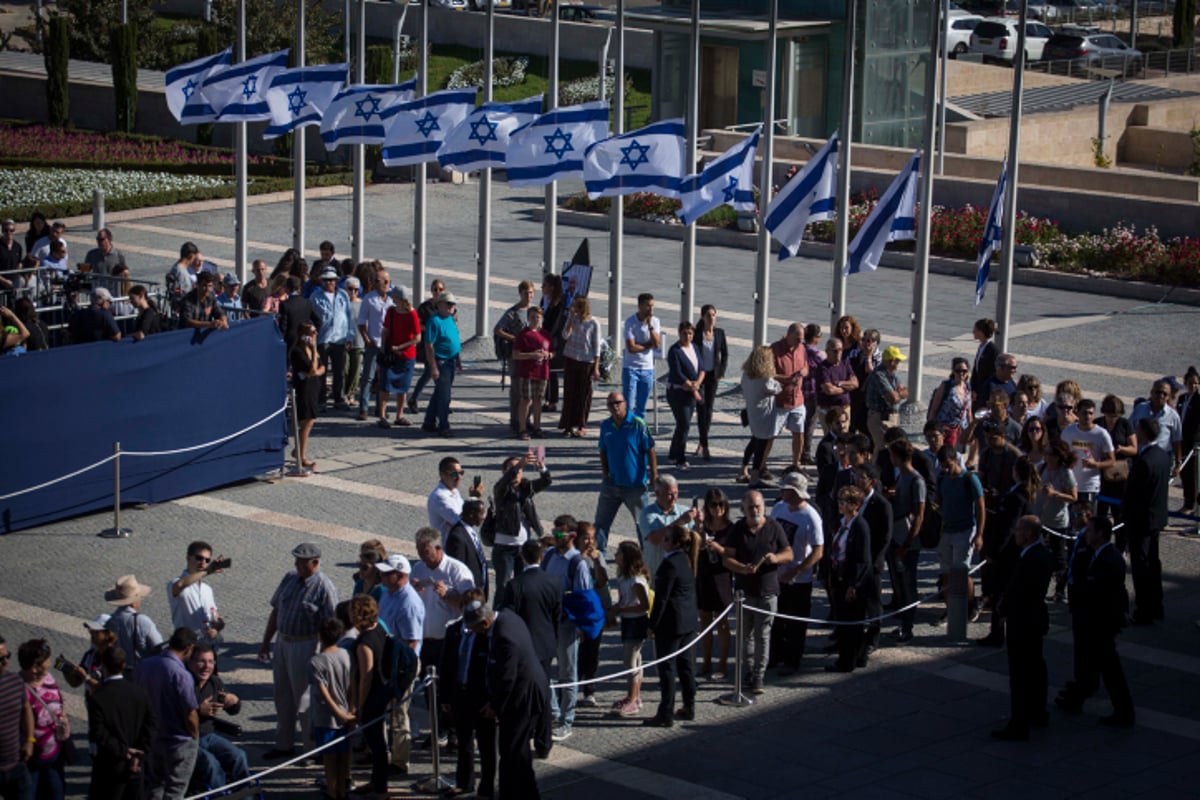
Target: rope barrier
[258,776]
[716,621]
[144,453]
[813,621]
[1069,537]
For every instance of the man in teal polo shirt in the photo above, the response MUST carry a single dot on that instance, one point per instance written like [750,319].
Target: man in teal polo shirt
[442,346]
[627,464]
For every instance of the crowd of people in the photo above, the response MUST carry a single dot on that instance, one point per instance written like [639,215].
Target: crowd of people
[1051,491]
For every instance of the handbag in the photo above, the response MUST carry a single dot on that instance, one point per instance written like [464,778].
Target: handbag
[1117,473]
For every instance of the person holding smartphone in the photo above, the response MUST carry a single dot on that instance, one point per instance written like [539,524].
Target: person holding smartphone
[193,604]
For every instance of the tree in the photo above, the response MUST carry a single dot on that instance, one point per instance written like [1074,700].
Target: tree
[57,55]
[124,69]
[95,21]
[271,26]
[1184,27]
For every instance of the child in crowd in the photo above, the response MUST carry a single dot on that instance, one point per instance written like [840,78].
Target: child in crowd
[633,609]
[329,685]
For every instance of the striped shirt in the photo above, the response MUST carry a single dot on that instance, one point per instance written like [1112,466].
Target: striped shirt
[12,702]
[302,605]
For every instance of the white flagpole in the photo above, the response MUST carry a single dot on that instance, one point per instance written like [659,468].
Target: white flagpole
[418,245]
[687,280]
[396,57]
[943,56]
[837,304]
[550,223]
[762,278]
[616,229]
[298,155]
[916,342]
[357,227]
[240,221]
[483,259]
[1004,290]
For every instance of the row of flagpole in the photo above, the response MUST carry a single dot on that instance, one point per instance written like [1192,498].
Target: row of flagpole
[538,148]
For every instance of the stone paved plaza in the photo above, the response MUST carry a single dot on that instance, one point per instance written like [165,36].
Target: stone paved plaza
[915,723]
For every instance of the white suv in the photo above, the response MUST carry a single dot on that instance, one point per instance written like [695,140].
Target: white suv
[959,33]
[996,40]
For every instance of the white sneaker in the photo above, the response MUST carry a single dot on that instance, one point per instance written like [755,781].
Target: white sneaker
[560,733]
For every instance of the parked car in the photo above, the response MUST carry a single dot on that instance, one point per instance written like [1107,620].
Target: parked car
[996,40]
[1038,9]
[1093,50]
[959,35]
[456,5]
[584,13]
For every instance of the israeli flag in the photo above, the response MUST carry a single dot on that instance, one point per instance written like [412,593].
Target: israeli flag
[183,81]
[237,92]
[551,147]
[894,218]
[416,129]
[355,115]
[993,231]
[650,159]
[299,97]
[810,196]
[727,180]
[482,138]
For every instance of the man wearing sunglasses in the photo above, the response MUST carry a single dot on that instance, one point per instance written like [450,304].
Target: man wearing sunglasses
[193,604]
[445,503]
[627,464]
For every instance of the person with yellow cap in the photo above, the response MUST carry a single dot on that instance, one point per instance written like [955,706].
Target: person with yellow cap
[885,393]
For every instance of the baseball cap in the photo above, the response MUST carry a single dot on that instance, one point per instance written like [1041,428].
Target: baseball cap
[892,353]
[232,280]
[398,292]
[98,624]
[447,297]
[394,563]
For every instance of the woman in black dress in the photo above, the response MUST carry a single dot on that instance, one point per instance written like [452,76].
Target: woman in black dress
[307,375]
[714,588]
[714,359]
[369,692]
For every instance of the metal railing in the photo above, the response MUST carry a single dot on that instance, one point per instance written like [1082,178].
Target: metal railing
[1154,64]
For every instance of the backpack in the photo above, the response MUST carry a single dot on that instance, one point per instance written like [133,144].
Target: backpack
[487,529]
[399,667]
[583,608]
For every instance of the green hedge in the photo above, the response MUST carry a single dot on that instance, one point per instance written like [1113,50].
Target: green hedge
[152,199]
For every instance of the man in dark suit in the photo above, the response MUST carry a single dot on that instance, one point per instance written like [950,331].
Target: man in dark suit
[464,691]
[121,728]
[295,311]
[985,361]
[518,694]
[1189,415]
[1145,514]
[1099,617]
[536,597]
[463,543]
[877,512]
[674,619]
[1027,622]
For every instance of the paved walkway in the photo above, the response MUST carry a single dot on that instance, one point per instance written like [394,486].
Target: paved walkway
[914,723]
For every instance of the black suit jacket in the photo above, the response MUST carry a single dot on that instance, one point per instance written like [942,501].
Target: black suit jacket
[474,695]
[517,684]
[982,371]
[119,717]
[536,596]
[1024,601]
[293,313]
[1191,423]
[675,613]
[857,568]
[1145,506]
[720,352]
[1105,600]
[878,515]
[458,545]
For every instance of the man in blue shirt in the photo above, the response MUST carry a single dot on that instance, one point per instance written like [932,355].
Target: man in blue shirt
[403,614]
[963,516]
[172,693]
[627,463]
[573,575]
[442,346]
[336,333]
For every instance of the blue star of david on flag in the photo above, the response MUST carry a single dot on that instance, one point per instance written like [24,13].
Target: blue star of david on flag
[428,124]
[627,157]
[361,109]
[234,93]
[488,132]
[296,100]
[730,190]
[188,88]
[184,82]
[564,146]
[250,87]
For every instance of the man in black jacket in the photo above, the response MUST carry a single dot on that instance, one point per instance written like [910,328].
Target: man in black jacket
[121,728]
[516,513]
[1145,515]
[1027,622]
[674,619]
[1099,617]
[465,692]
[877,511]
[463,543]
[536,596]
[295,311]
[518,692]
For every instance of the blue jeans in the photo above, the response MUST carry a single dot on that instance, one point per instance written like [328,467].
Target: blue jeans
[609,502]
[220,761]
[568,672]
[504,561]
[904,580]
[415,394]
[438,413]
[637,382]
[16,783]
[368,371]
[46,778]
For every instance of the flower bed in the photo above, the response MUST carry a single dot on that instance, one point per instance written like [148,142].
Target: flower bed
[1117,252]
[505,72]
[48,145]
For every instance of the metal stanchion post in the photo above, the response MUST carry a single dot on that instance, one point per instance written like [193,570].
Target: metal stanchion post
[116,531]
[956,605]
[436,783]
[737,697]
[299,470]
[97,209]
